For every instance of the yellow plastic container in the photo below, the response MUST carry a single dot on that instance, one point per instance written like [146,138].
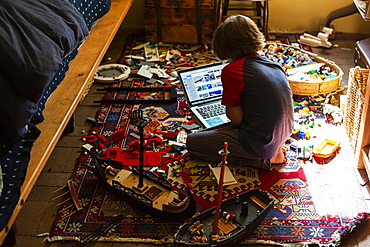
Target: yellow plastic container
[325,151]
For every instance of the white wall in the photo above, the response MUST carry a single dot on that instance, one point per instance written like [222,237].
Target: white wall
[295,15]
[309,15]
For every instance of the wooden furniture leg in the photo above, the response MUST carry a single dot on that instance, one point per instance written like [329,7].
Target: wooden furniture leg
[260,11]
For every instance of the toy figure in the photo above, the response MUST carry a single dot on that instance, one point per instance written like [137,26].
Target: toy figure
[151,112]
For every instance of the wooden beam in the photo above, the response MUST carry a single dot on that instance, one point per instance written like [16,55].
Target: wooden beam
[65,99]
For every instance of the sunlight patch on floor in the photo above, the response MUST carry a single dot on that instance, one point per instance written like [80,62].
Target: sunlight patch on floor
[334,186]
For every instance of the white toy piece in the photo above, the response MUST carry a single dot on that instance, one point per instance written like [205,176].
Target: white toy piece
[145,71]
[181,137]
[159,72]
[111,73]
[320,40]
[334,112]
[151,54]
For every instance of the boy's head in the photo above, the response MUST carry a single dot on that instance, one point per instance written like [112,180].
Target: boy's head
[237,37]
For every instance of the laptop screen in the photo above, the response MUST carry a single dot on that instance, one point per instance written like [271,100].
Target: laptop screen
[202,84]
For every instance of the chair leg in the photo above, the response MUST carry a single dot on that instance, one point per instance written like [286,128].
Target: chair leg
[265,18]
[259,8]
[225,7]
[261,13]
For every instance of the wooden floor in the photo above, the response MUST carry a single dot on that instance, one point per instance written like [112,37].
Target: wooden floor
[39,211]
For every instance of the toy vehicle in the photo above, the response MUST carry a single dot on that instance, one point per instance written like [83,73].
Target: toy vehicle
[229,222]
[156,196]
[141,188]
[325,151]
[242,215]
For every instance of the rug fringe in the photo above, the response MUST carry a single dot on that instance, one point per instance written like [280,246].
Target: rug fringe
[165,240]
[343,232]
[270,242]
[283,31]
[59,238]
[298,244]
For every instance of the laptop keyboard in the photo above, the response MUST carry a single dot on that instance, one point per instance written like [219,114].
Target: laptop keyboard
[209,111]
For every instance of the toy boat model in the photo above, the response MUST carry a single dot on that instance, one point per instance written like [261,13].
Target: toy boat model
[143,189]
[156,196]
[243,214]
[228,223]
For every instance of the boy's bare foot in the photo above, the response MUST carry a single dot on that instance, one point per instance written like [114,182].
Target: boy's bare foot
[280,157]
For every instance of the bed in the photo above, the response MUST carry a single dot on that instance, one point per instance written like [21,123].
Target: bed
[38,98]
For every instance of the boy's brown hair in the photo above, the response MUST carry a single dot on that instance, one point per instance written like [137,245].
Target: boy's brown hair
[237,37]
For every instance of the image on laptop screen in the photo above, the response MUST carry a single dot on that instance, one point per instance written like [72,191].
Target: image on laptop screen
[203,83]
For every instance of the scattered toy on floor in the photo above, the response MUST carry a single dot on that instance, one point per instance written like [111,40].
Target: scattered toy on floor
[320,40]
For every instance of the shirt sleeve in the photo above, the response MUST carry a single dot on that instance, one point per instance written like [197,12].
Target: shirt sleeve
[233,83]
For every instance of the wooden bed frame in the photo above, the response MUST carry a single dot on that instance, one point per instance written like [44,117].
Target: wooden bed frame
[65,99]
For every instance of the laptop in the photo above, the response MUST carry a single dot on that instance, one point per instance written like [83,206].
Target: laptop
[203,91]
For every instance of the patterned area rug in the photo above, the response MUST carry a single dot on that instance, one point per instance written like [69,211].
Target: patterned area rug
[312,201]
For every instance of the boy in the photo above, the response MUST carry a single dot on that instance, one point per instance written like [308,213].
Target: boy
[257,97]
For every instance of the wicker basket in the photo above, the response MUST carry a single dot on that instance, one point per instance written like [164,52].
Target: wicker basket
[315,88]
[355,100]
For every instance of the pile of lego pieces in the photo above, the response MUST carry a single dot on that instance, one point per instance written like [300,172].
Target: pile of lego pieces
[298,65]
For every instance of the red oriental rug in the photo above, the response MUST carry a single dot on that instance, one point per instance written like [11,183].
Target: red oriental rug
[314,203]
